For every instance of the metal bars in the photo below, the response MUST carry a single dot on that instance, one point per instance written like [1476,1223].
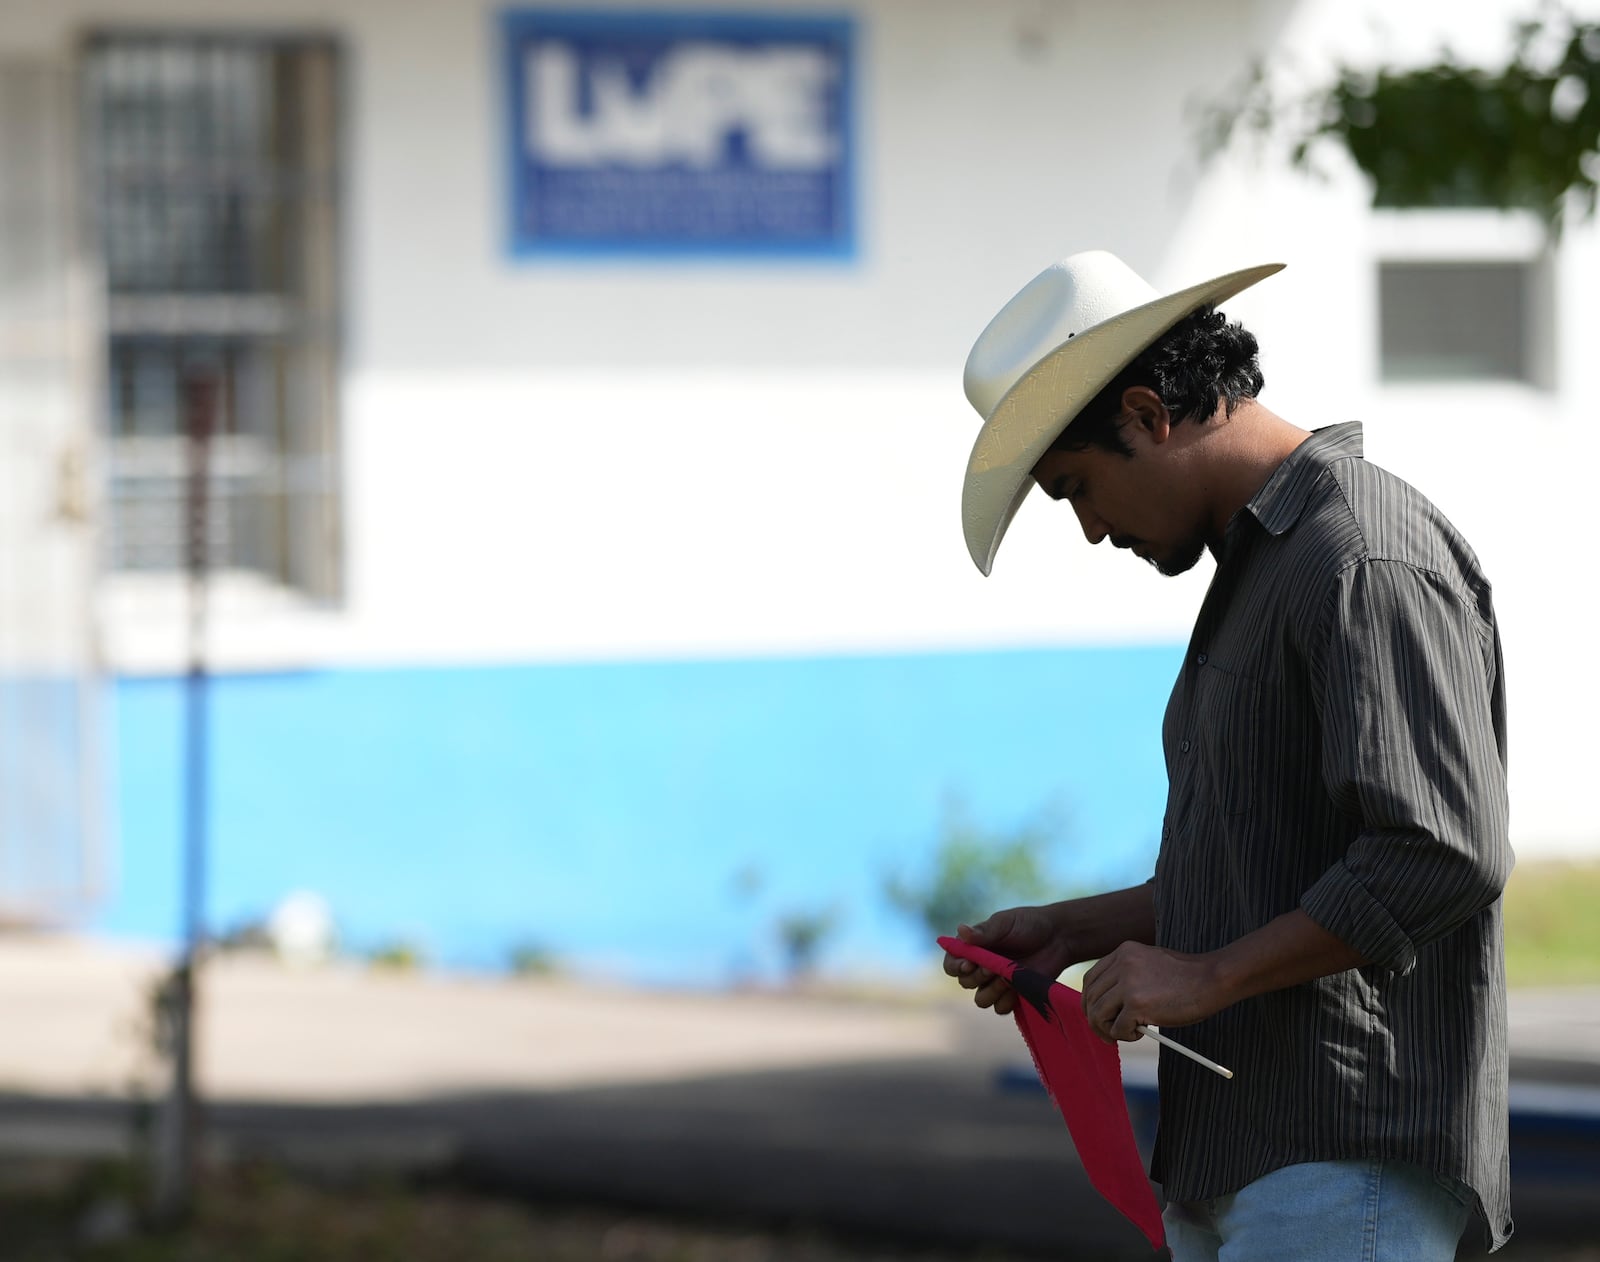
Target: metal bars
[214,166]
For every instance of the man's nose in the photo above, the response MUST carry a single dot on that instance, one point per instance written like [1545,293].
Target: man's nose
[1094,530]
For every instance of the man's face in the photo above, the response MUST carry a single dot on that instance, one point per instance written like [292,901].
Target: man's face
[1136,501]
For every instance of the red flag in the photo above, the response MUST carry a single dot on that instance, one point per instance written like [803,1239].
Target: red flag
[1083,1075]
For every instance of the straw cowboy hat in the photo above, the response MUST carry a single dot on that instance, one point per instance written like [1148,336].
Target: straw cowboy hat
[1051,349]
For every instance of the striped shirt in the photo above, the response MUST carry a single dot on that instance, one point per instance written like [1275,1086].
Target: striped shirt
[1336,742]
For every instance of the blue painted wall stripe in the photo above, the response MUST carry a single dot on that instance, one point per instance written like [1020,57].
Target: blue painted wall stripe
[605,810]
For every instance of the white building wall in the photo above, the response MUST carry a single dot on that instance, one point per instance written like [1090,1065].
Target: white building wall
[557,460]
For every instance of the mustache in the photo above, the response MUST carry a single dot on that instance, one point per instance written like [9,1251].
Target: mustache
[1125,541]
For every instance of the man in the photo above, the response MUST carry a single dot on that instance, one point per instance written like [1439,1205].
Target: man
[1324,918]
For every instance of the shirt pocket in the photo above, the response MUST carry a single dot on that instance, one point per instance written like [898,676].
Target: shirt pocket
[1227,735]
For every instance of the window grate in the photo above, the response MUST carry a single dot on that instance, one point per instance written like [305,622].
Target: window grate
[214,170]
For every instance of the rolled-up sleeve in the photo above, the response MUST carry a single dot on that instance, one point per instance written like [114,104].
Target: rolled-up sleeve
[1406,674]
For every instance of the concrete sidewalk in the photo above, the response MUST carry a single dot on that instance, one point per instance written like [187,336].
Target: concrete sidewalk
[78,1023]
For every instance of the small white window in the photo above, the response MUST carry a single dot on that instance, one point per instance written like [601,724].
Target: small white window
[1454,321]
[1463,296]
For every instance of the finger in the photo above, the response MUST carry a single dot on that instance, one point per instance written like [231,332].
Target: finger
[1104,1028]
[1107,964]
[1102,1011]
[958,967]
[992,993]
[1099,980]
[976,979]
[1126,1028]
[1007,1003]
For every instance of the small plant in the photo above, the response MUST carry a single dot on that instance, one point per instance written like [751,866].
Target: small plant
[252,935]
[533,959]
[801,934]
[400,955]
[973,873]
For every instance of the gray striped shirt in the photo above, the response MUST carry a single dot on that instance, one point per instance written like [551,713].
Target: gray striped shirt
[1336,742]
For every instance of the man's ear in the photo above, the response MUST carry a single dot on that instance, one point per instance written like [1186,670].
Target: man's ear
[1143,408]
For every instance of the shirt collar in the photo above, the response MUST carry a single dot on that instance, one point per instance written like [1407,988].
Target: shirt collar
[1284,496]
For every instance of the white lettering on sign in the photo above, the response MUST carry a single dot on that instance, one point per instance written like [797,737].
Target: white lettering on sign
[697,94]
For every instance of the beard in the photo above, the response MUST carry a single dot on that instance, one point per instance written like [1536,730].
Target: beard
[1179,559]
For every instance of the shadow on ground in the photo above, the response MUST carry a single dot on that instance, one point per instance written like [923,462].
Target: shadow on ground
[923,1152]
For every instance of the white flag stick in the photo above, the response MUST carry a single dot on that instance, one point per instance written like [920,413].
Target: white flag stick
[1184,1051]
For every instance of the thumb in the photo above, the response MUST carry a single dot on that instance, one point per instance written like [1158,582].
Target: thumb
[985,931]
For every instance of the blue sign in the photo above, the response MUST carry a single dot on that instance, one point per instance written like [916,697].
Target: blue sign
[671,133]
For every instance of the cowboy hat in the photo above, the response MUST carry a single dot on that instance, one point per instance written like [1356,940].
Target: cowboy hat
[1051,349]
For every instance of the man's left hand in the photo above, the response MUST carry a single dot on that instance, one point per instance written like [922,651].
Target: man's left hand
[1145,985]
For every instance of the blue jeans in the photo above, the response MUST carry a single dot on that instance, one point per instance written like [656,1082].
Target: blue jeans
[1325,1211]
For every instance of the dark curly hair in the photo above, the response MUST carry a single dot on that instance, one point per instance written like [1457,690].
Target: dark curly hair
[1194,365]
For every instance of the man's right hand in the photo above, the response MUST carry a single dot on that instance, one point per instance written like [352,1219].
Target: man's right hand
[1048,939]
[1032,936]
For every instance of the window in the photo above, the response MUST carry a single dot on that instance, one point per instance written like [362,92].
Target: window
[1463,296]
[213,170]
[1454,321]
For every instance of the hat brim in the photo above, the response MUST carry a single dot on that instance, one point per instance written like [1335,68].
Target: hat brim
[1048,397]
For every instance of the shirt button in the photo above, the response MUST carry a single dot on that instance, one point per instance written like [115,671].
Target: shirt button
[1201,658]
[1184,747]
